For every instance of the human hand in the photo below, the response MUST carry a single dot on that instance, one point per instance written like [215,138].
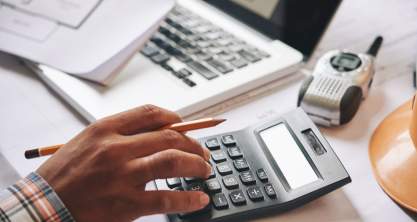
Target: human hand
[101,174]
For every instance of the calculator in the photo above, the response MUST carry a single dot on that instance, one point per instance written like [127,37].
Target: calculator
[270,167]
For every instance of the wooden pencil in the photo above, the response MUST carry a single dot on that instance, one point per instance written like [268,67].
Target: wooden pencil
[179,127]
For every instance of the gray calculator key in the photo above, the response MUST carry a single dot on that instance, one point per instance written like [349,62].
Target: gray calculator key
[262,175]
[237,197]
[270,191]
[218,156]
[220,201]
[173,182]
[228,140]
[212,173]
[212,144]
[195,187]
[191,179]
[213,186]
[241,164]
[255,193]
[230,182]
[247,178]
[224,169]
[234,152]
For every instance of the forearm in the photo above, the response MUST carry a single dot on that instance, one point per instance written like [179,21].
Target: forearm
[32,200]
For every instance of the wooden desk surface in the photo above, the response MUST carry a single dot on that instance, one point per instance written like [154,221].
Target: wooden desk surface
[32,115]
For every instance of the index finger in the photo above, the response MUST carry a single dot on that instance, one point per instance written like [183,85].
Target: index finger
[142,119]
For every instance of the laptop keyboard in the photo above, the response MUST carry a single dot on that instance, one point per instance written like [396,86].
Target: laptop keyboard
[187,44]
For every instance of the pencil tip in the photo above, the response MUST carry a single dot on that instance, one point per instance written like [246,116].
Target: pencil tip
[220,120]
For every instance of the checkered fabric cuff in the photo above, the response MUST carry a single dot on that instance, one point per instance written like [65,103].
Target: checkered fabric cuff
[32,200]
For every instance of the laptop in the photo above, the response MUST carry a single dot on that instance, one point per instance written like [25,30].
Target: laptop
[205,52]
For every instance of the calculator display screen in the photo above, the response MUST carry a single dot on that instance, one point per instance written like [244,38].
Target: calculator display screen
[288,156]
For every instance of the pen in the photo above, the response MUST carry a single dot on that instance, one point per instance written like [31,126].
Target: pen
[179,127]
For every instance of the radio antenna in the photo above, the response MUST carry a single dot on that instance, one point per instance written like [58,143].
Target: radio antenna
[373,50]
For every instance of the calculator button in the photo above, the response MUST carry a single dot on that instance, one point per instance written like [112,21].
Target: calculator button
[218,156]
[262,175]
[195,187]
[220,201]
[241,164]
[224,169]
[191,179]
[213,186]
[255,193]
[234,152]
[230,182]
[212,173]
[247,178]
[237,197]
[213,144]
[269,190]
[178,188]
[228,140]
[173,182]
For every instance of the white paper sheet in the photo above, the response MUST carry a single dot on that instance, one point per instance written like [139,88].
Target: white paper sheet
[79,37]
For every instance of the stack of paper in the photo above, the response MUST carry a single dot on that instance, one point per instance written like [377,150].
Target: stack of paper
[88,38]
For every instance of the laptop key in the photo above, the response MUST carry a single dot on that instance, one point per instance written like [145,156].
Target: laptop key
[160,58]
[149,51]
[202,70]
[248,56]
[189,82]
[164,30]
[203,44]
[167,67]
[219,66]
[172,50]
[226,56]
[239,63]
[183,57]
[184,72]
[202,55]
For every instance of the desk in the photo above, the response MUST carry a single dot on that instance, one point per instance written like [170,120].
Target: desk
[32,115]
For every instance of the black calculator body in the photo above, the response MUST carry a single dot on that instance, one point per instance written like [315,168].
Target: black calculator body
[270,167]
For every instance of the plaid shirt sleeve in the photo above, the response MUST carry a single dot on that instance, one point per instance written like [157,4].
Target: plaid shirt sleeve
[32,200]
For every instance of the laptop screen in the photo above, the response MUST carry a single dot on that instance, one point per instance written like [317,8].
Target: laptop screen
[298,23]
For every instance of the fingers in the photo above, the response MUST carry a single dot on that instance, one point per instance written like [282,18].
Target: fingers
[145,144]
[154,202]
[167,164]
[141,119]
